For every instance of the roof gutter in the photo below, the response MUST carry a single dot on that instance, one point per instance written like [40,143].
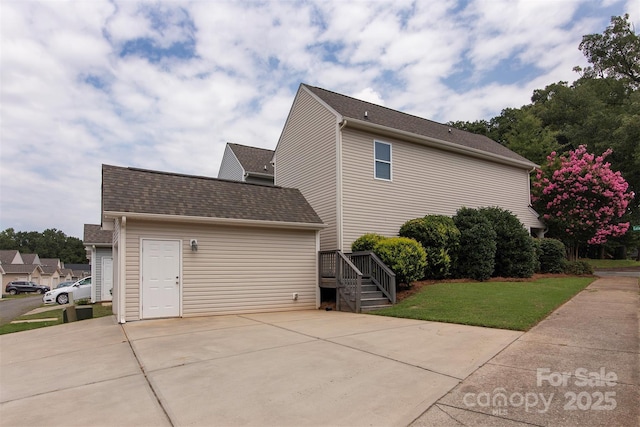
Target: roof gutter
[258,175]
[439,143]
[216,221]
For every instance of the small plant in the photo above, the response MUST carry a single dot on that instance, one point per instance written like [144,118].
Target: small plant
[366,242]
[552,256]
[82,301]
[578,268]
[404,256]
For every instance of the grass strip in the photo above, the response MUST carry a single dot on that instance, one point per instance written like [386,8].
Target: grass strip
[505,305]
[98,311]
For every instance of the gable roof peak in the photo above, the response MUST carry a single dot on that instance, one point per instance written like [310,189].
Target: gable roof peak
[253,159]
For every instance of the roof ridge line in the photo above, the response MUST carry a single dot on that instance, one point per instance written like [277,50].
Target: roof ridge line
[184,175]
[386,108]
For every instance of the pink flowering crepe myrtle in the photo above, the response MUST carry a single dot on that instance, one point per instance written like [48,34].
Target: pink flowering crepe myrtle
[581,198]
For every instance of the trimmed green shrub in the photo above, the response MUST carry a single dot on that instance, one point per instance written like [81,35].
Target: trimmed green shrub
[515,256]
[537,250]
[439,237]
[552,256]
[477,252]
[578,267]
[366,242]
[404,256]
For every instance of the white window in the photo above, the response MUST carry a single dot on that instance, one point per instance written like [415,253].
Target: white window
[382,155]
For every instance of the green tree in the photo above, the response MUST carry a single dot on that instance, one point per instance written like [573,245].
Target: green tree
[51,243]
[614,53]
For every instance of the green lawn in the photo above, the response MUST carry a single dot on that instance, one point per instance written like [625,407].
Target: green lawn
[506,305]
[98,311]
[611,263]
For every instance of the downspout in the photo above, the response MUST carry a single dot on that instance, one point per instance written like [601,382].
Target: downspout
[339,184]
[122,250]
[93,273]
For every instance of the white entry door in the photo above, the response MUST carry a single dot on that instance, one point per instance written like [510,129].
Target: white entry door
[160,278]
[107,279]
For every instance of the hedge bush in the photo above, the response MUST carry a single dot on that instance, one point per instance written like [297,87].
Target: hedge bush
[366,242]
[537,250]
[404,256]
[439,237]
[477,252]
[578,267]
[552,256]
[515,255]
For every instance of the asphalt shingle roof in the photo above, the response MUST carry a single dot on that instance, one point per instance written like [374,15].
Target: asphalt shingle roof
[354,108]
[154,192]
[20,268]
[29,258]
[253,159]
[93,233]
[7,256]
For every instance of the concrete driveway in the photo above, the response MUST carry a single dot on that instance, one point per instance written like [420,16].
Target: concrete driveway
[272,369]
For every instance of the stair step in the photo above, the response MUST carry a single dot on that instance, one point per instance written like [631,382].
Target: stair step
[367,308]
[372,294]
[367,302]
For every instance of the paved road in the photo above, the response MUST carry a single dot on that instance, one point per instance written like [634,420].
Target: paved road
[12,308]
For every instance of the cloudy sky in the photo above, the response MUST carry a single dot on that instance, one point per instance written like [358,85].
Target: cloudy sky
[165,84]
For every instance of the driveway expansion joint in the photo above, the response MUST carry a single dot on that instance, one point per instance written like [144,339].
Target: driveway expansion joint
[146,378]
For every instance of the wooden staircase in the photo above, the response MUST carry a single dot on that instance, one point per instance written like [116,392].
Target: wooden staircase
[371,297]
[362,282]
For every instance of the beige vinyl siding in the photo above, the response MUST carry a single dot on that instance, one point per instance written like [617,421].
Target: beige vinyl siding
[425,181]
[230,167]
[306,159]
[235,270]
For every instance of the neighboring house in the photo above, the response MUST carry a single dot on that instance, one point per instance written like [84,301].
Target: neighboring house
[50,271]
[66,275]
[190,246]
[14,267]
[99,243]
[366,168]
[246,164]
[10,257]
[78,271]
[30,272]
[31,259]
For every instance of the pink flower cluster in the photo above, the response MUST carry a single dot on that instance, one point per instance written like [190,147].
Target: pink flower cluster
[582,196]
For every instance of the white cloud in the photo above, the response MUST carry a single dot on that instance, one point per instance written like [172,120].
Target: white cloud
[369,95]
[70,102]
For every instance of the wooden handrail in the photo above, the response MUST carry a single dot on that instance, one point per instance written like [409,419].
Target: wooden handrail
[348,283]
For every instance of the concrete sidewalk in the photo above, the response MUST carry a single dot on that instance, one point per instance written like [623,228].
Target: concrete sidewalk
[580,366]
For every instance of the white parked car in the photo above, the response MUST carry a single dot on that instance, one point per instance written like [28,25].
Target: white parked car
[81,290]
